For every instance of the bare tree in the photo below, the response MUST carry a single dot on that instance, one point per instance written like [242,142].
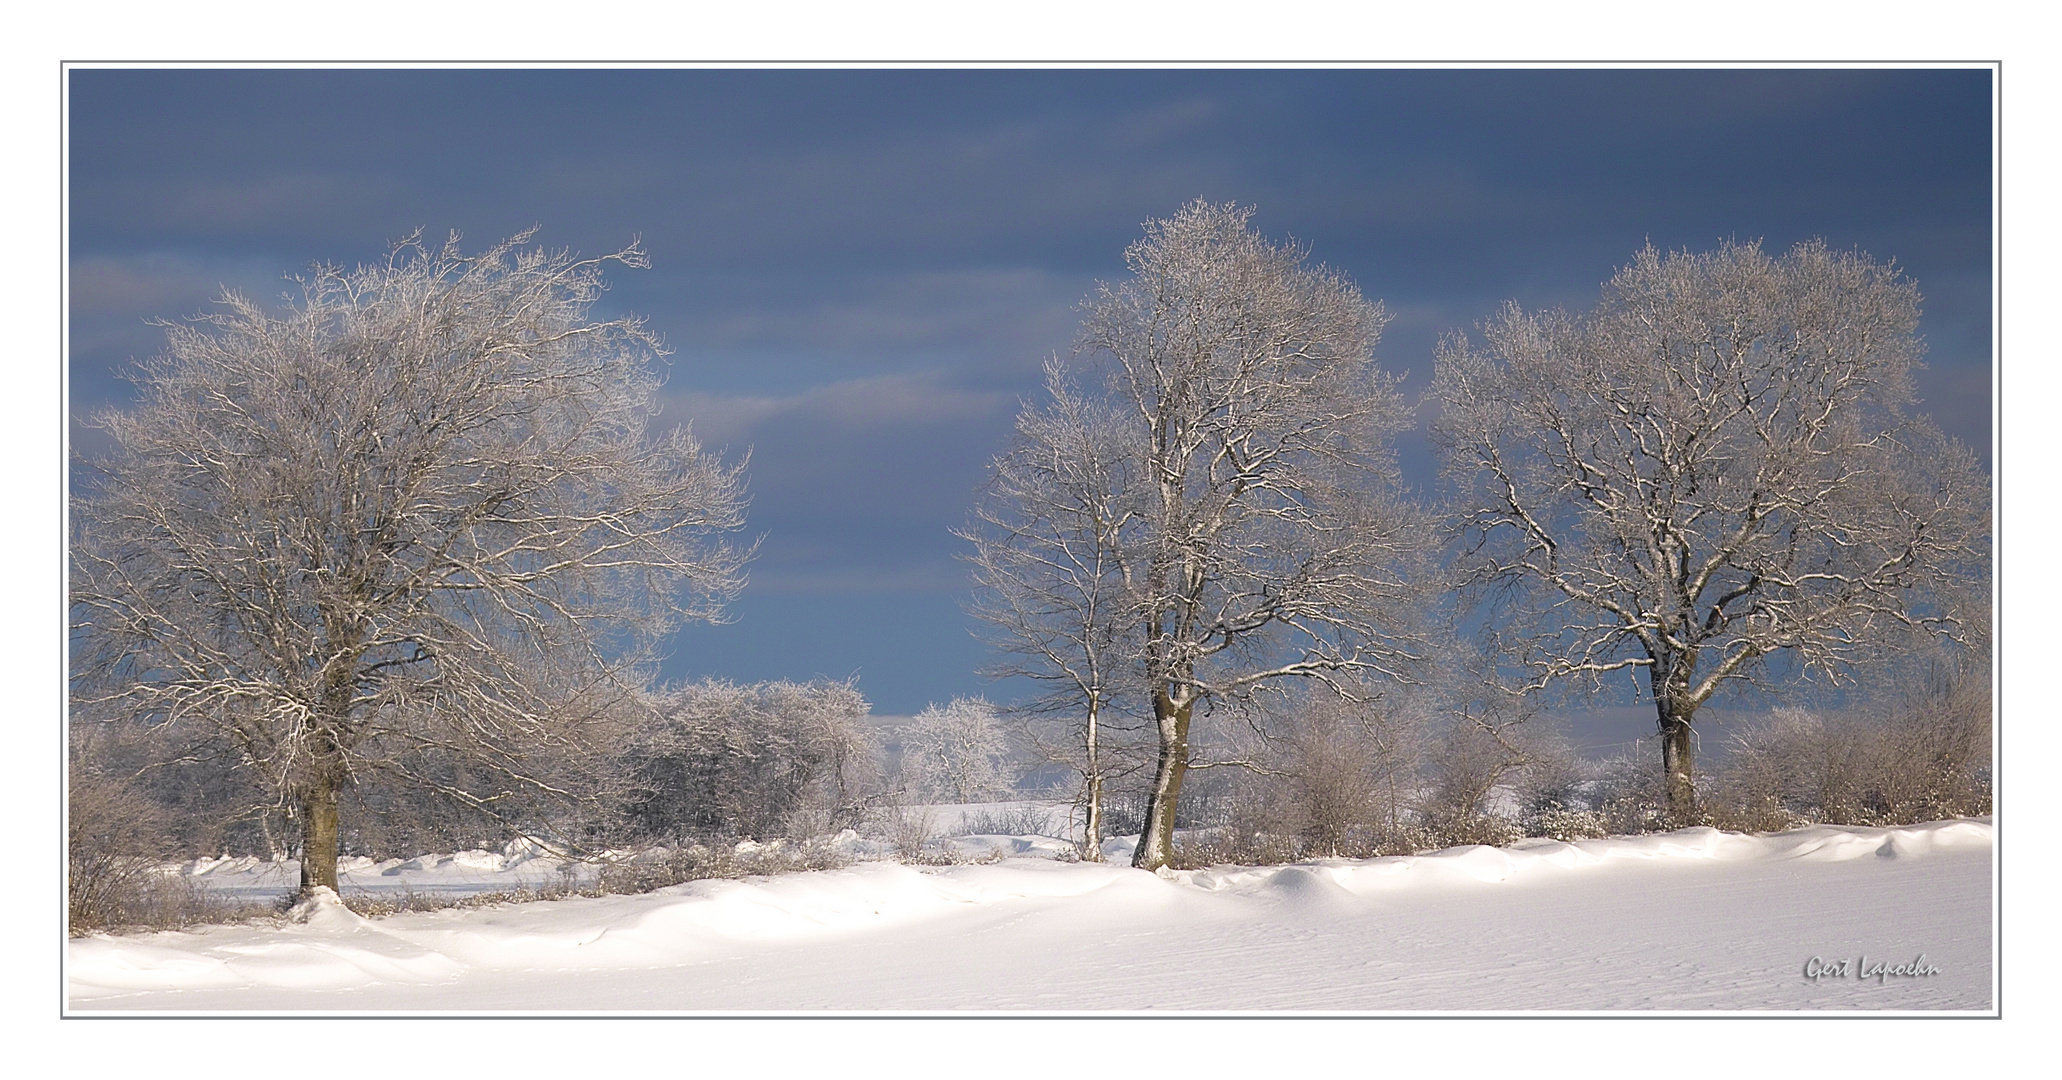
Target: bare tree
[1050,576]
[415,512]
[1712,476]
[955,752]
[1266,545]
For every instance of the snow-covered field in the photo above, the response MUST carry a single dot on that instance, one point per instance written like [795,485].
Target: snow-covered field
[1823,918]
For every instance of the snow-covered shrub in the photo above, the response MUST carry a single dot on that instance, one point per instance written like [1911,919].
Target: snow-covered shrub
[1469,767]
[908,828]
[658,868]
[1330,776]
[1558,792]
[115,879]
[375,905]
[1766,814]
[198,794]
[1922,759]
[1794,759]
[1355,773]
[1552,775]
[1490,829]
[1563,824]
[948,854]
[110,873]
[717,759]
[1629,792]
[1124,813]
[1935,756]
[955,753]
[1242,842]
[1022,819]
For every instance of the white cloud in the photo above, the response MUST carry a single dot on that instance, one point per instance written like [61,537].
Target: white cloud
[896,400]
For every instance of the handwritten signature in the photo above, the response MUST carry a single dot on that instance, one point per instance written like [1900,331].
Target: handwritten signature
[1862,969]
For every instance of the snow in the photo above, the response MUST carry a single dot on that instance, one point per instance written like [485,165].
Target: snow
[526,863]
[519,863]
[1824,918]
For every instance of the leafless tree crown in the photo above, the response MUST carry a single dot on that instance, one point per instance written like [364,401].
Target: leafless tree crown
[418,509]
[1263,427]
[955,752]
[1223,516]
[1718,462]
[1714,467]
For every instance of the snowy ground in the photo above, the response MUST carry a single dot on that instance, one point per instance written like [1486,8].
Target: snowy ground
[1692,920]
[955,829]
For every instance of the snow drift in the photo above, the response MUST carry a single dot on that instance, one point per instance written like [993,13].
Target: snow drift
[1819,918]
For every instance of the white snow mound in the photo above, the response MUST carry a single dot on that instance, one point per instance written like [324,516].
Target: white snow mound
[1694,919]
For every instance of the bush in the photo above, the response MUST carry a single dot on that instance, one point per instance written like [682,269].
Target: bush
[1924,760]
[1558,794]
[378,906]
[1330,777]
[1761,815]
[1563,824]
[111,878]
[1023,819]
[1236,847]
[1124,813]
[661,867]
[1493,778]
[719,761]
[1628,792]
[1936,755]
[909,828]
[114,877]
[1487,829]
[1267,821]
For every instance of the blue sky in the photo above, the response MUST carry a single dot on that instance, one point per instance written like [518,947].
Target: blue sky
[860,271]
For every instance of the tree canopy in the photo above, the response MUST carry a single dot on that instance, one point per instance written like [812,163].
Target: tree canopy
[1716,467]
[416,515]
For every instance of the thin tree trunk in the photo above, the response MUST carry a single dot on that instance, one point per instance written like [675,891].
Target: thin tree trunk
[1092,828]
[271,842]
[1156,844]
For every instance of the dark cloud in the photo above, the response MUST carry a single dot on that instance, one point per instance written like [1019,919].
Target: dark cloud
[859,272]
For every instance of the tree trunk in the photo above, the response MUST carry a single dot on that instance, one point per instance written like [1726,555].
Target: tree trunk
[1092,828]
[325,767]
[1669,681]
[272,847]
[1677,766]
[1156,844]
[319,834]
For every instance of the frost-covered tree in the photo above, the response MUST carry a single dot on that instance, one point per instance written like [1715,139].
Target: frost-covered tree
[717,759]
[414,516]
[1267,542]
[955,752]
[1714,476]
[1050,573]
